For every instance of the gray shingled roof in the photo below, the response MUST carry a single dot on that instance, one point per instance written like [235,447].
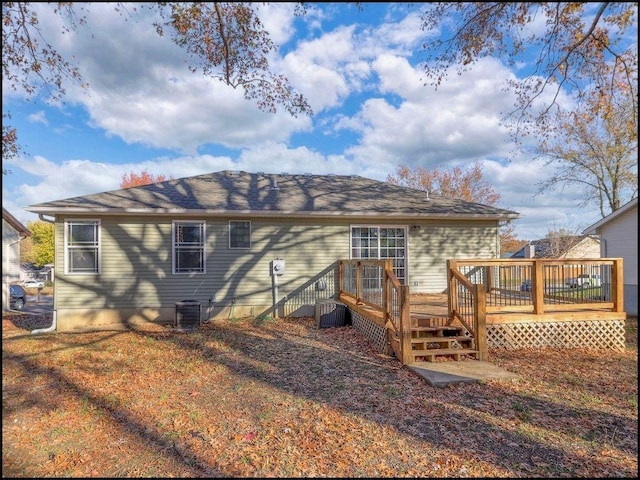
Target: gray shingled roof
[263,194]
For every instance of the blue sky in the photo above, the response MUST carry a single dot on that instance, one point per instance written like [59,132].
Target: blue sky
[359,70]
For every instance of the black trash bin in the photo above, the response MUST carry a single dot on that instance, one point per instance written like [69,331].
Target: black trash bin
[187,314]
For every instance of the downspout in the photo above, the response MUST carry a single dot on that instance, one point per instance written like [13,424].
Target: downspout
[54,322]
[49,329]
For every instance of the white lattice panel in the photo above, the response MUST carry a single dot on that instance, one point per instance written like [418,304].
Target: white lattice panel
[596,334]
[372,331]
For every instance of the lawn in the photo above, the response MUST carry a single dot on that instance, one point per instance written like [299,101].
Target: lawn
[260,398]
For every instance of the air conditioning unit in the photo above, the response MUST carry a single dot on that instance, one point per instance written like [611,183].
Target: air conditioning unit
[331,313]
[187,315]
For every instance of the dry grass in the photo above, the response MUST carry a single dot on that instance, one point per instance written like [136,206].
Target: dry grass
[252,398]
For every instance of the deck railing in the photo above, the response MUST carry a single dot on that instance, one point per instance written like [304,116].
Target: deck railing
[468,306]
[482,292]
[540,286]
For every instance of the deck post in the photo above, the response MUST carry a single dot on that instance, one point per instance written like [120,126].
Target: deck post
[358,282]
[617,287]
[452,291]
[386,291]
[480,321]
[340,277]
[489,279]
[405,325]
[537,287]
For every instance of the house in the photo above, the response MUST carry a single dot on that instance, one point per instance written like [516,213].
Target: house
[567,246]
[618,233]
[12,234]
[233,243]
[28,271]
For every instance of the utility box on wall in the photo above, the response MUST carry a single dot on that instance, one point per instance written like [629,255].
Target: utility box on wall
[277,266]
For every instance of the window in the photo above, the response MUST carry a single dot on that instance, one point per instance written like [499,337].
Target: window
[188,247]
[82,246]
[375,242]
[239,234]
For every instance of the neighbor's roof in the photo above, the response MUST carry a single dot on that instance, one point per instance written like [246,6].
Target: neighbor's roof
[615,214]
[555,246]
[260,194]
[15,223]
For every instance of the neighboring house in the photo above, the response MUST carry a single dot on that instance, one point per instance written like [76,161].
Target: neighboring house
[618,233]
[12,234]
[569,246]
[28,271]
[135,255]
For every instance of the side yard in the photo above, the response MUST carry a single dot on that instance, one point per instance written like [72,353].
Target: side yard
[263,398]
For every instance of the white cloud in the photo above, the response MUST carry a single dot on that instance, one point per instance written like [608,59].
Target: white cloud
[277,19]
[38,117]
[360,79]
[460,121]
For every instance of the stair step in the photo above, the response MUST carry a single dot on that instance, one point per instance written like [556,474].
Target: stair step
[437,352]
[457,338]
[428,321]
[437,329]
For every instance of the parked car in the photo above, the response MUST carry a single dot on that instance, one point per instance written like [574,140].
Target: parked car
[584,280]
[526,286]
[33,284]
[17,297]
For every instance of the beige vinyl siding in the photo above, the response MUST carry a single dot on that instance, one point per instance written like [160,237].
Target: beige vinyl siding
[310,251]
[434,242]
[136,279]
[136,264]
[587,248]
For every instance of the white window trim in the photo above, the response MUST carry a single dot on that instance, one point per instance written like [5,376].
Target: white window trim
[250,234]
[204,247]
[67,221]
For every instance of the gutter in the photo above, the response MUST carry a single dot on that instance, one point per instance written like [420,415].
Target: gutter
[41,217]
[396,216]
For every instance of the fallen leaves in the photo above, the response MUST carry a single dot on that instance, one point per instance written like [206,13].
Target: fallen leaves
[285,399]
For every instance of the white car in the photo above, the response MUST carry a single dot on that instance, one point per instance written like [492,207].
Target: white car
[33,284]
[584,281]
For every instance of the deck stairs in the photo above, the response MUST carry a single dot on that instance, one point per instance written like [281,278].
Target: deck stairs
[434,341]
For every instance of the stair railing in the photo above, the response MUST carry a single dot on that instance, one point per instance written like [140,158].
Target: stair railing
[372,284]
[468,305]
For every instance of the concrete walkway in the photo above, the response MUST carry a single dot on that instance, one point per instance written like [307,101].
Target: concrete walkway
[440,374]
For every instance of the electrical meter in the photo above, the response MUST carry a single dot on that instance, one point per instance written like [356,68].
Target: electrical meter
[277,266]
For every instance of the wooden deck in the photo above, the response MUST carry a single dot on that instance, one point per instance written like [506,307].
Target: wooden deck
[487,304]
[432,305]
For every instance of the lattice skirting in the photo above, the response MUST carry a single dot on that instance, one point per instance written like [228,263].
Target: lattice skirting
[372,331]
[596,334]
